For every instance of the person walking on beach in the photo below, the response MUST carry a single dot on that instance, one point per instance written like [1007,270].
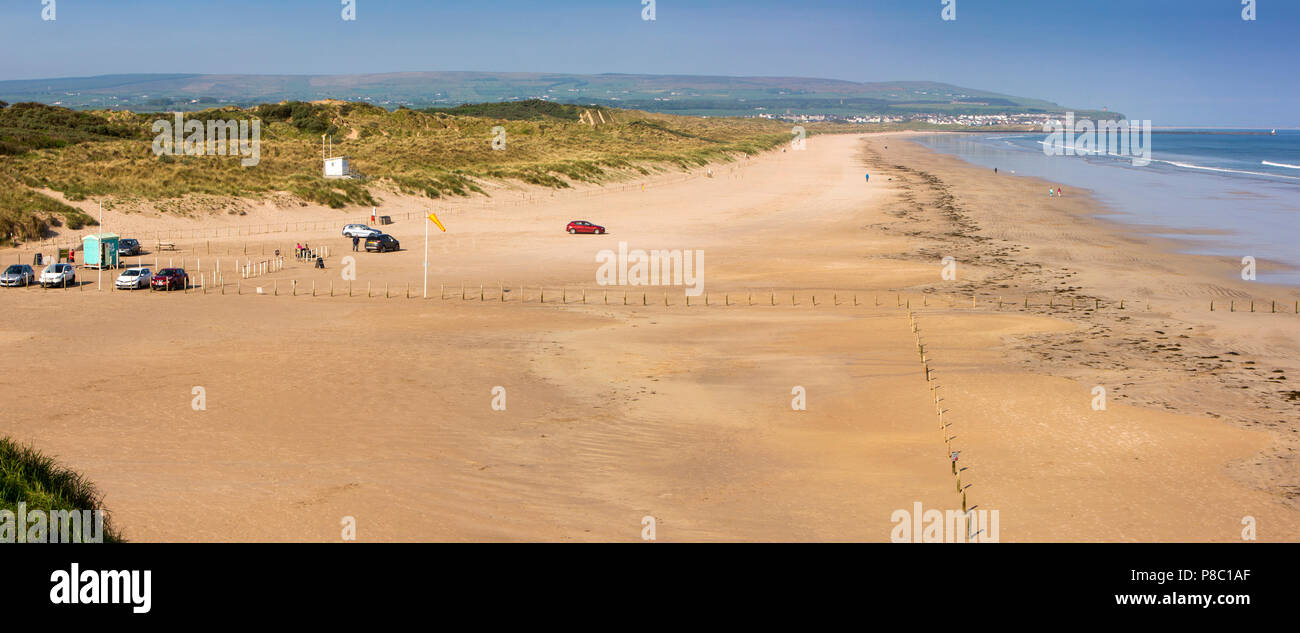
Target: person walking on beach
[1058,192]
[355,240]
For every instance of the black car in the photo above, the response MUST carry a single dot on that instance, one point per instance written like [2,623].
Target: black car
[128,248]
[382,243]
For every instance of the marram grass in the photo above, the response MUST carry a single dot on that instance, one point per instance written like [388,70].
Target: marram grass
[435,153]
[27,476]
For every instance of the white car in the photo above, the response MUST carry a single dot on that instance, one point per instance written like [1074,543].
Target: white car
[59,275]
[133,278]
[360,230]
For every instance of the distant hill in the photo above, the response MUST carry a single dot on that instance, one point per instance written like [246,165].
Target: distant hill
[674,94]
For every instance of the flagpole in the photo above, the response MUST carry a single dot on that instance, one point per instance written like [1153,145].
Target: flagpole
[430,218]
[426,258]
[100,281]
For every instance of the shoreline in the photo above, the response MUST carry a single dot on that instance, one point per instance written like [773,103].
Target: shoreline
[1135,212]
[1163,236]
[1113,263]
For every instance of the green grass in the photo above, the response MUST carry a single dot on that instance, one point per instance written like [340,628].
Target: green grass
[28,215]
[27,476]
[530,110]
[25,127]
[432,153]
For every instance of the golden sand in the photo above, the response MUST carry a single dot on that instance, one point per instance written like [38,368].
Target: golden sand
[320,408]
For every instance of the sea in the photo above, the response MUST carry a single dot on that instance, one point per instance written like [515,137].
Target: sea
[1236,191]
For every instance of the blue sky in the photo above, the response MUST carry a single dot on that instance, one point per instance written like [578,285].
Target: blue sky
[1176,62]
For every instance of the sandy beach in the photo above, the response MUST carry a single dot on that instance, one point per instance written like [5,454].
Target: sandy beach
[625,402]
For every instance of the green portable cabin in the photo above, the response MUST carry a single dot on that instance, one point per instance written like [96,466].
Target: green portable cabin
[99,251]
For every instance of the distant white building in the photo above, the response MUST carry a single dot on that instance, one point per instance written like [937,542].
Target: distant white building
[337,167]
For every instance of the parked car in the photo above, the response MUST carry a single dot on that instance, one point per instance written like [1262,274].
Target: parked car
[59,275]
[135,278]
[128,248]
[360,230]
[583,226]
[18,275]
[170,279]
[382,243]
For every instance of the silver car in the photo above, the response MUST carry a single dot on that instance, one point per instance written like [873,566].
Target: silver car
[360,230]
[133,278]
[18,275]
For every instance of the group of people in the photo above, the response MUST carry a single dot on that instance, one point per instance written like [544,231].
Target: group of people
[1052,191]
[304,253]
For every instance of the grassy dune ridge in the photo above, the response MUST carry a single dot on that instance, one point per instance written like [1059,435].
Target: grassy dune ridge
[435,152]
[27,476]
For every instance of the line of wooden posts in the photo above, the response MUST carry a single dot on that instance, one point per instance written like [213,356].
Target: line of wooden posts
[250,269]
[932,382]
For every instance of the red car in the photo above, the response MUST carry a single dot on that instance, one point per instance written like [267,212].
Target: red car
[583,226]
[170,279]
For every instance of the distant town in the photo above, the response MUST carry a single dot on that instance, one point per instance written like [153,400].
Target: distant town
[964,120]
[984,120]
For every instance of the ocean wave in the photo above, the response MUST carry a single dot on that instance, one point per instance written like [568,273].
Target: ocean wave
[1172,163]
[1223,169]
[1080,150]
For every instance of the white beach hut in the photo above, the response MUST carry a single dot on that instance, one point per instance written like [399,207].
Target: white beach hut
[337,167]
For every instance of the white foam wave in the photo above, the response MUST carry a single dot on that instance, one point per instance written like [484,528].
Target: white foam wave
[1222,169]
[1080,150]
